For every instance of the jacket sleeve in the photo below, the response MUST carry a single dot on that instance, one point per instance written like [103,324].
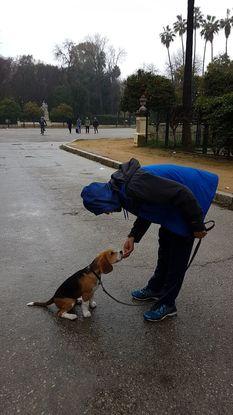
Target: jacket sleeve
[139,228]
[155,189]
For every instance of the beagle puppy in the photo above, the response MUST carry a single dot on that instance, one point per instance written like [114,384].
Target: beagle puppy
[81,286]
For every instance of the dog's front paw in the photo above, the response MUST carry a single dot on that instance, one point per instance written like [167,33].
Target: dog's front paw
[69,316]
[93,304]
[72,316]
[86,314]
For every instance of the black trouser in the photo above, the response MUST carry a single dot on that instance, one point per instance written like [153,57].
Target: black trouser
[87,129]
[173,257]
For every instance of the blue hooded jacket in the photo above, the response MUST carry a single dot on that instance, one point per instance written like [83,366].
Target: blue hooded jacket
[176,197]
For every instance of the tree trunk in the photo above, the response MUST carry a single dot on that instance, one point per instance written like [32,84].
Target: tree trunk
[174,137]
[187,85]
[167,129]
[157,133]
[100,96]
[198,132]
[157,127]
[182,42]
[194,50]
[203,66]
[212,51]
[226,45]
[170,64]
[205,139]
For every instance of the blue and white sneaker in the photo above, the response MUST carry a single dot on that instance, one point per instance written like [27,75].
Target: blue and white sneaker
[160,313]
[144,294]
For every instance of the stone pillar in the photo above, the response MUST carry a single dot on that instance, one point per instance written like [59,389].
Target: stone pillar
[140,135]
[142,117]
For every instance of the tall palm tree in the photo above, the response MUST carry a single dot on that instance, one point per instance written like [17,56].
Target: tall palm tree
[167,36]
[180,27]
[197,21]
[187,84]
[210,27]
[226,25]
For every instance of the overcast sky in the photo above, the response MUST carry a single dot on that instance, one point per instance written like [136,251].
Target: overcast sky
[134,25]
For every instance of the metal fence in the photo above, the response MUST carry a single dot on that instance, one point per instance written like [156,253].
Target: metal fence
[202,140]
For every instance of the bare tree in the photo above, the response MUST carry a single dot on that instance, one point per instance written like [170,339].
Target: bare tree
[114,57]
[150,67]
[65,53]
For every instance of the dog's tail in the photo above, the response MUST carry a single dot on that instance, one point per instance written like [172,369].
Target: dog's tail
[45,304]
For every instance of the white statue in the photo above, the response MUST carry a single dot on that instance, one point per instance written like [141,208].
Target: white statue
[44,108]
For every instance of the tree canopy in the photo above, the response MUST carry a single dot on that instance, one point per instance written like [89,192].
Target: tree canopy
[218,113]
[218,79]
[61,113]
[32,111]
[159,92]
[9,110]
[87,78]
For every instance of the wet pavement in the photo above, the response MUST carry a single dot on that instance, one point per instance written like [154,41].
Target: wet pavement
[113,363]
[19,135]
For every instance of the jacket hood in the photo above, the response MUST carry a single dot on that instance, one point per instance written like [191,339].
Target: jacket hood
[100,198]
[124,174]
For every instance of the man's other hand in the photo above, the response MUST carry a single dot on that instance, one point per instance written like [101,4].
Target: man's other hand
[200,235]
[128,247]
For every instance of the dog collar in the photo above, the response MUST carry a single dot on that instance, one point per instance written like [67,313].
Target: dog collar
[97,276]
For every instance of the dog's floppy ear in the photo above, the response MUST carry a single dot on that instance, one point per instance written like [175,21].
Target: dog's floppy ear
[104,264]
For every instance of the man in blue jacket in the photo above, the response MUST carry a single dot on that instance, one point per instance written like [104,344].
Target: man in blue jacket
[175,197]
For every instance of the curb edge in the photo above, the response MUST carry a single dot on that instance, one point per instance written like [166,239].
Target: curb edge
[223,199]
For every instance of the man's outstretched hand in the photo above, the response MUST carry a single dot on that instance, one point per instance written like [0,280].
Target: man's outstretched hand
[128,247]
[200,235]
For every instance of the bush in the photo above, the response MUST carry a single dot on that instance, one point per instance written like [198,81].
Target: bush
[32,111]
[61,113]
[10,111]
[109,119]
[218,114]
[218,79]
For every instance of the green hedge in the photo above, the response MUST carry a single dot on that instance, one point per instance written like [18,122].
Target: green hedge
[109,119]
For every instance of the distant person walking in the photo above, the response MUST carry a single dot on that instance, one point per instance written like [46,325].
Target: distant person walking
[78,126]
[42,123]
[69,124]
[87,125]
[95,125]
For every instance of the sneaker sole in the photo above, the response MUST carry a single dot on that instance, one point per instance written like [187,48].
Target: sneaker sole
[145,299]
[167,315]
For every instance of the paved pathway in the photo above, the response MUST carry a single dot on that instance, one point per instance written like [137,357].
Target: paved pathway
[15,135]
[113,363]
